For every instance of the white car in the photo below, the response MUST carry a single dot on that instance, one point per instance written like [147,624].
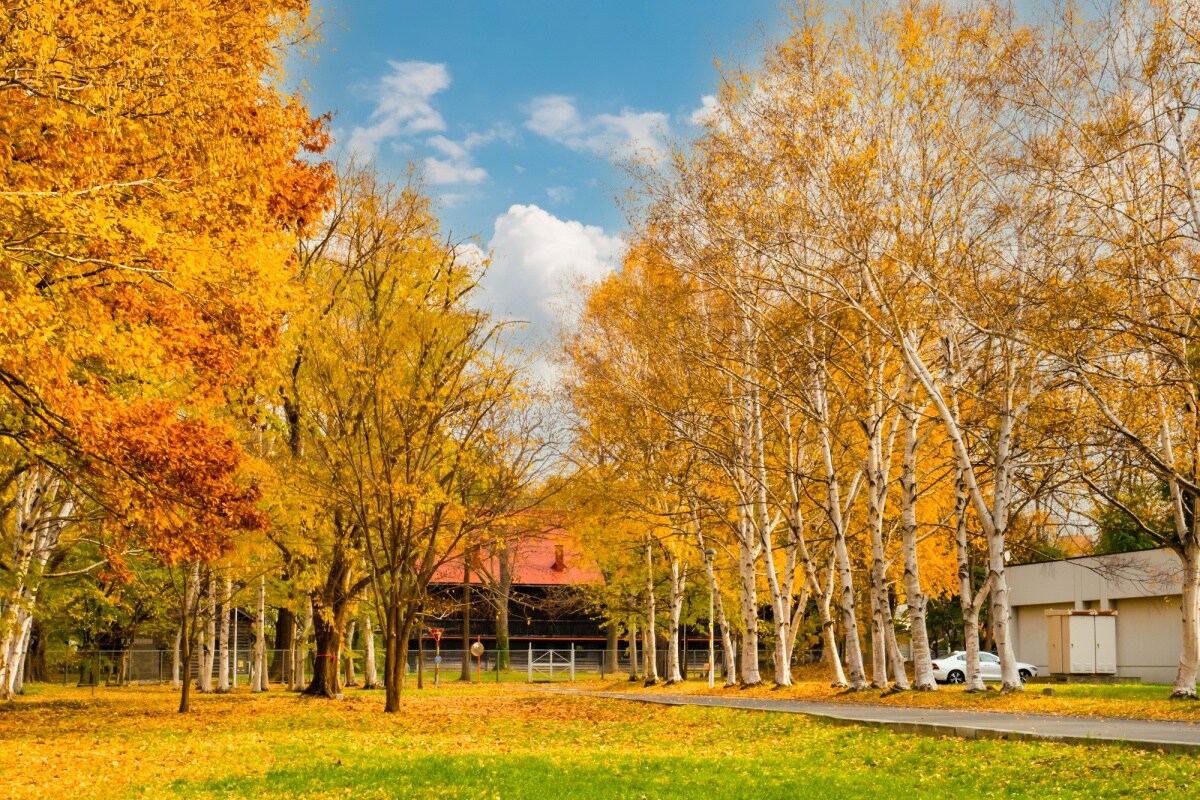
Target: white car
[953,668]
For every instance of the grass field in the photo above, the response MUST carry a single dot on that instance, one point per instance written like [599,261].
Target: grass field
[509,742]
[1136,701]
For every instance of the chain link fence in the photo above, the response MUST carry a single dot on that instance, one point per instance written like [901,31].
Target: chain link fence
[115,667]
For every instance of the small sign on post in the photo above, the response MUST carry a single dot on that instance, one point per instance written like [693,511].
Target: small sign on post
[477,651]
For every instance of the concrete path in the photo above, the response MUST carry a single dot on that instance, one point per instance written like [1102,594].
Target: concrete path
[1168,735]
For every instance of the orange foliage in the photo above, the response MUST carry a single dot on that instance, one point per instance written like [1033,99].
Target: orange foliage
[152,196]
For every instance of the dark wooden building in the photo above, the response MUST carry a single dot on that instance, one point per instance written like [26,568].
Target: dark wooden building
[541,579]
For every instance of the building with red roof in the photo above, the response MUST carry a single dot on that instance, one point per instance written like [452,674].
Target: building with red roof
[540,578]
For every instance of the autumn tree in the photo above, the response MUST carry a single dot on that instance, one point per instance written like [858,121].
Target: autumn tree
[152,190]
[407,403]
[1119,107]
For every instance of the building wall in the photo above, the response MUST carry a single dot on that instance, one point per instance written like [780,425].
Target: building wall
[1095,578]
[1143,588]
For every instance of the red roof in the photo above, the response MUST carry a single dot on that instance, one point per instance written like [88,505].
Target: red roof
[536,563]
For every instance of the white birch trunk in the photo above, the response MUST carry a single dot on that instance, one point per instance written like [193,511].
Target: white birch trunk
[1010,678]
[209,642]
[1189,655]
[678,585]
[748,595]
[857,680]
[1189,554]
[728,644]
[300,648]
[262,681]
[853,655]
[878,585]
[781,600]
[18,659]
[370,676]
[190,626]
[649,630]
[42,510]
[923,679]
[175,655]
[729,654]
[812,583]
[633,649]
[993,519]
[969,601]
[798,616]
[781,607]
[223,663]
[829,627]
[895,657]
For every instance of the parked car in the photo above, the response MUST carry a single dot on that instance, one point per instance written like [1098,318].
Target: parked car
[953,668]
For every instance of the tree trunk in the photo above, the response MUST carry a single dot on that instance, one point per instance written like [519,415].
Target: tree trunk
[42,510]
[649,632]
[1189,651]
[209,641]
[916,599]
[300,648]
[421,651]
[185,694]
[728,643]
[833,510]
[327,631]
[21,647]
[876,498]
[223,668]
[370,678]
[748,595]
[189,625]
[895,657]
[780,591]
[611,648]
[465,674]
[397,628]
[678,584]
[829,634]
[177,655]
[633,649]
[503,595]
[351,678]
[281,656]
[1001,613]
[970,601]
[261,679]
[35,656]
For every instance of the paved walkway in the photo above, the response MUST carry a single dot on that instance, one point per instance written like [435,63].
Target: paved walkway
[1169,735]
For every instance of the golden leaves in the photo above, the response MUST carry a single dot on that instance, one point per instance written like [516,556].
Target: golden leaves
[152,195]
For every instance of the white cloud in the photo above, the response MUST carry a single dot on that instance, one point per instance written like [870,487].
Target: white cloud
[540,261]
[560,194]
[457,165]
[470,253]
[708,107]
[441,172]
[555,117]
[402,106]
[539,265]
[624,135]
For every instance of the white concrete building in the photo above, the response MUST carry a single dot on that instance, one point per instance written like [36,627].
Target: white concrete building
[1143,588]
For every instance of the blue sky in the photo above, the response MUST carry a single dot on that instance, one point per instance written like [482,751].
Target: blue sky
[519,112]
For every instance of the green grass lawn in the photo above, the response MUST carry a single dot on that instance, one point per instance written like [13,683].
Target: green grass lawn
[507,742]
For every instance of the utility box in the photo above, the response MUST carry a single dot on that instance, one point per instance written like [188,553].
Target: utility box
[1081,642]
